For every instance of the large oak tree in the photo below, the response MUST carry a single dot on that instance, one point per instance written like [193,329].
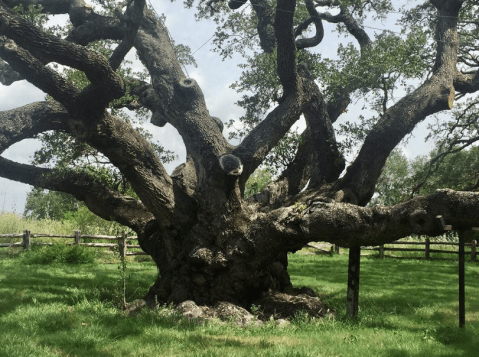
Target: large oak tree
[210,243]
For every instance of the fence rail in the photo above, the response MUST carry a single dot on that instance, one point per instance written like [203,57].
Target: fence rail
[330,249]
[122,241]
[122,244]
[427,248]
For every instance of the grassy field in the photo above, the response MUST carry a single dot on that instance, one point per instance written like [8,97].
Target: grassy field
[407,308]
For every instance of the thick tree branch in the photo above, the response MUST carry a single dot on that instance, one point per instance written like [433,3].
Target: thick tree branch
[351,25]
[133,19]
[262,139]
[435,95]
[259,142]
[298,172]
[8,74]
[309,219]
[30,120]
[316,19]
[318,159]
[466,83]
[341,100]
[135,158]
[114,138]
[327,161]
[54,49]
[283,30]
[265,15]
[446,35]
[179,100]
[101,200]
[39,75]
[99,28]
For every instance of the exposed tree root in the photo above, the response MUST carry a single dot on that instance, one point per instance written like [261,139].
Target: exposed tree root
[281,307]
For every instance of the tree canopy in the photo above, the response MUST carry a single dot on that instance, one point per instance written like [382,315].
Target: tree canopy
[210,242]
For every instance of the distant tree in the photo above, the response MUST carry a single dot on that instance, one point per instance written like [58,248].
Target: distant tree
[257,181]
[457,170]
[394,184]
[44,204]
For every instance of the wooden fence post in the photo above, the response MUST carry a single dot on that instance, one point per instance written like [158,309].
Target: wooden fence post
[352,306]
[122,245]
[336,247]
[26,239]
[381,251]
[426,248]
[77,237]
[473,250]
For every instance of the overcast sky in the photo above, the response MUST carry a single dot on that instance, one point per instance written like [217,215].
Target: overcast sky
[213,75]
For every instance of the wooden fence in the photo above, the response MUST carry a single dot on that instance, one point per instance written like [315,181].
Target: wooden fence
[121,241]
[122,244]
[427,248]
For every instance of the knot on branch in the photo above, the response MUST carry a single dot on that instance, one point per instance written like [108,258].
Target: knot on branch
[206,257]
[188,90]
[78,129]
[10,45]
[451,96]
[346,196]
[187,83]
[79,14]
[218,122]
[418,219]
[158,119]
[231,164]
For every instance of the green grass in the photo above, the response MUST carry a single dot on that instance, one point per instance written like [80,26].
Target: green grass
[407,308]
[12,223]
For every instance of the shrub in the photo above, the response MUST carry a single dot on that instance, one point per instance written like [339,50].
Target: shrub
[59,253]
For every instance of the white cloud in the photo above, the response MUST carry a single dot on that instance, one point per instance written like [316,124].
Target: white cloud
[18,94]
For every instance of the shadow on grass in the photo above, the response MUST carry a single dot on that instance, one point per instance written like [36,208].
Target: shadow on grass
[69,284]
[65,307]
[399,294]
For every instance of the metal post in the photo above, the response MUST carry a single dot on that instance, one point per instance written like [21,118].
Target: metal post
[473,250]
[462,292]
[353,281]
[426,248]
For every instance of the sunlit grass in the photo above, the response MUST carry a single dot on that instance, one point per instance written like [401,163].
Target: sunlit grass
[12,223]
[407,308]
